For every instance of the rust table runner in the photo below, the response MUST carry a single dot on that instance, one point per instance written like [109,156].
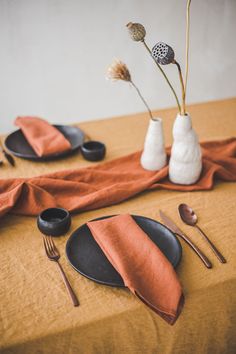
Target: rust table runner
[109,183]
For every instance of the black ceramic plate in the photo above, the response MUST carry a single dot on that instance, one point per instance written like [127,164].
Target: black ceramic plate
[19,146]
[87,258]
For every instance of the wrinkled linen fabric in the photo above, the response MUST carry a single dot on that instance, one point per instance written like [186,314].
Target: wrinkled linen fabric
[43,137]
[135,257]
[110,183]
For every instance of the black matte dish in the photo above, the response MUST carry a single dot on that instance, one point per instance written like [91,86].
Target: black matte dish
[19,146]
[87,258]
[54,221]
[93,150]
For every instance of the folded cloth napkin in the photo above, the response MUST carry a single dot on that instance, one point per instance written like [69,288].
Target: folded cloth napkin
[143,267]
[110,183]
[42,136]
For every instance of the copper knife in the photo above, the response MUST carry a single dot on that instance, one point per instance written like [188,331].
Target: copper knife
[174,228]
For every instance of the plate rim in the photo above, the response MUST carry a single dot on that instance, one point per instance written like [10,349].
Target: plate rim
[107,216]
[48,157]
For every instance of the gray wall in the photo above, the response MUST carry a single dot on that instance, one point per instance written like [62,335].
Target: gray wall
[54,55]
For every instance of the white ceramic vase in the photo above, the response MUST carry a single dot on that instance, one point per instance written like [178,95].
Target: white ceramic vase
[154,156]
[186,158]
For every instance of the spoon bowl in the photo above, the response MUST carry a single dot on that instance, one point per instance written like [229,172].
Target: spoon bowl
[187,214]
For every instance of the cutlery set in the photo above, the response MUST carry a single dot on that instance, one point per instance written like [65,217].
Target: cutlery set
[176,230]
[189,217]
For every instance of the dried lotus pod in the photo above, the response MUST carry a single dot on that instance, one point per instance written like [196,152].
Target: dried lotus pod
[136,31]
[163,53]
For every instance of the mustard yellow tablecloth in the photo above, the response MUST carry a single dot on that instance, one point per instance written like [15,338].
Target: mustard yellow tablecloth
[36,315]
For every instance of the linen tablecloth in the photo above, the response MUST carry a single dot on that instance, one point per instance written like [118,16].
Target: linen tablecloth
[36,315]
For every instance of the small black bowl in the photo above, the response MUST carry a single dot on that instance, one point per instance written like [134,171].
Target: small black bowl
[93,150]
[54,221]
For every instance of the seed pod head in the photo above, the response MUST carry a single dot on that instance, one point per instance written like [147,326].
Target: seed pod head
[118,71]
[163,53]
[137,31]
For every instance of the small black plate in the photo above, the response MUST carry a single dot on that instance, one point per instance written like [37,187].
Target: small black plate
[19,146]
[88,259]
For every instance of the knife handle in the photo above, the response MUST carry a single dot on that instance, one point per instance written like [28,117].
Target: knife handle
[201,255]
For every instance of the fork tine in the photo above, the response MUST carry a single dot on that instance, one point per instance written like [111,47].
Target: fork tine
[50,248]
[53,245]
[45,246]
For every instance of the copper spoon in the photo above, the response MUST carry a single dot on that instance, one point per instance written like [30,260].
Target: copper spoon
[190,218]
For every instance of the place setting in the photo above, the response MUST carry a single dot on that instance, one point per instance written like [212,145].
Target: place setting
[117,234]
[123,250]
[38,140]
[127,251]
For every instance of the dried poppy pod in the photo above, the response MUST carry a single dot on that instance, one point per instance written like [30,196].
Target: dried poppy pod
[136,31]
[163,53]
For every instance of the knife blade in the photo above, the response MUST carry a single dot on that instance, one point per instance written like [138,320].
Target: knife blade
[176,230]
[169,223]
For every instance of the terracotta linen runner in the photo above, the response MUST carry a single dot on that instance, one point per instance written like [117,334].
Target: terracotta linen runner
[109,183]
[143,267]
[42,136]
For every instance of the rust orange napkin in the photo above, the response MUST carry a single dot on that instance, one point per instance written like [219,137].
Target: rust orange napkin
[42,136]
[143,267]
[110,183]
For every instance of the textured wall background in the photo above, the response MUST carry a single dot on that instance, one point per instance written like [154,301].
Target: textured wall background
[54,55]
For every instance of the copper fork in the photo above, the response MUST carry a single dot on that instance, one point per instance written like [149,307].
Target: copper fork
[54,255]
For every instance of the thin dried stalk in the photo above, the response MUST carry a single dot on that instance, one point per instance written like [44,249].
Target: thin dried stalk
[187,45]
[183,108]
[142,98]
[164,74]
[119,71]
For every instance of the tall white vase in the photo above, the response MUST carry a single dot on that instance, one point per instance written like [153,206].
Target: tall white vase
[186,158]
[154,156]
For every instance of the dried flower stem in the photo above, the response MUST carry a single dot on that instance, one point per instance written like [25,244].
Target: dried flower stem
[187,45]
[164,74]
[183,108]
[142,98]
[119,71]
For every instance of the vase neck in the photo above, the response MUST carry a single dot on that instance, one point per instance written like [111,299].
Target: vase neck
[156,120]
[182,125]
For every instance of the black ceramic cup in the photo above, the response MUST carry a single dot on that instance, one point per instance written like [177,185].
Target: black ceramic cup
[54,221]
[93,150]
